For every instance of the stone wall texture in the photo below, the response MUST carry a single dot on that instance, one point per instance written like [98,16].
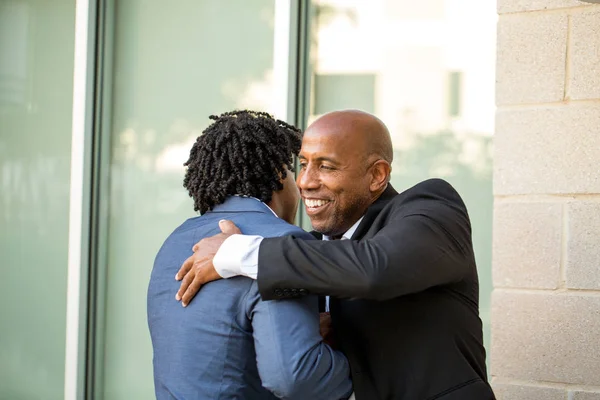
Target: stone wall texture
[546,247]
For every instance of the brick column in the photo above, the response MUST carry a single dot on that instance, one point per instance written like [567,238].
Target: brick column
[546,252]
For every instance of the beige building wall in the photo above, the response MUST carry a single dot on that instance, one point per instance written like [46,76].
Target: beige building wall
[546,252]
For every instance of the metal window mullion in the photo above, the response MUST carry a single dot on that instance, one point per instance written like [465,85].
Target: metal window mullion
[100,199]
[79,206]
[299,75]
[300,67]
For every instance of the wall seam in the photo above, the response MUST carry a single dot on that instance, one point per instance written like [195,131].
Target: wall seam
[549,104]
[567,85]
[560,10]
[562,282]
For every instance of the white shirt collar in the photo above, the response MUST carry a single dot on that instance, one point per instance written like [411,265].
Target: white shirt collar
[349,232]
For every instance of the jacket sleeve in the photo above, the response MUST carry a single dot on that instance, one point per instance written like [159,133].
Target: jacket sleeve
[428,246]
[292,360]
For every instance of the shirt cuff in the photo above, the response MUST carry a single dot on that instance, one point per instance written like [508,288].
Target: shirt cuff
[238,255]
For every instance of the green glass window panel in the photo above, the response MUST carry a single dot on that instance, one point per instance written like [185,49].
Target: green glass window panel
[344,91]
[174,65]
[454,93]
[36,86]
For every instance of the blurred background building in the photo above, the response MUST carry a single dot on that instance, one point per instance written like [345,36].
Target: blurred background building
[101,100]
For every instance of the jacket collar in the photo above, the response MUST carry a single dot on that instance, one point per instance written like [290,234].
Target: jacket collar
[242,204]
[374,210]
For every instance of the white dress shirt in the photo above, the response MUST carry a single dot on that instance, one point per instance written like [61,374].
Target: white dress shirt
[238,255]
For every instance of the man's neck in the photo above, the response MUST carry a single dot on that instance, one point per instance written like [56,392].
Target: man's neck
[346,235]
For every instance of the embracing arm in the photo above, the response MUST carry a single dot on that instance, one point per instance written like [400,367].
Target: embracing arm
[409,254]
[422,242]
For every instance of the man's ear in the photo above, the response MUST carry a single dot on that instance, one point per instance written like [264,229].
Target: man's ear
[380,175]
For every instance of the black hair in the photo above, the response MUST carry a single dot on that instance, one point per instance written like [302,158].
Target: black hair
[241,152]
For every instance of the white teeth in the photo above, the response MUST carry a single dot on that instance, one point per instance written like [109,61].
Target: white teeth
[311,203]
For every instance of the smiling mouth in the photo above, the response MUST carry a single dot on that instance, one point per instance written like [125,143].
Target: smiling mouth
[315,204]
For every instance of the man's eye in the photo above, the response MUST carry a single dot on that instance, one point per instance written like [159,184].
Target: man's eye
[302,166]
[326,167]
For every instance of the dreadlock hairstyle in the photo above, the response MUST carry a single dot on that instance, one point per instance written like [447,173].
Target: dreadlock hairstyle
[241,152]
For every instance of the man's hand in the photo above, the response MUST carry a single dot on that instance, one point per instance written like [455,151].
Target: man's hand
[326,329]
[198,269]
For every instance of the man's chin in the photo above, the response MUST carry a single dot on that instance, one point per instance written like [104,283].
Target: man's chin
[322,228]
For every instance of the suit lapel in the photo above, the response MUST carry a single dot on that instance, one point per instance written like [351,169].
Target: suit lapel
[373,211]
[317,235]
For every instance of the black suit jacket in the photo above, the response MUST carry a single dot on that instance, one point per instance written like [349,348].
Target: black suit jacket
[406,312]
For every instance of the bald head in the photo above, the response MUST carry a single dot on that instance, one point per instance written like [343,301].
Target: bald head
[367,133]
[344,167]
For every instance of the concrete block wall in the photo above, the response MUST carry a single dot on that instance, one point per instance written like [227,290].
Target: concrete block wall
[546,251]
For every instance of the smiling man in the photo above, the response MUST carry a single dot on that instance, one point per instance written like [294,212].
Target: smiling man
[412,329]
[339,179]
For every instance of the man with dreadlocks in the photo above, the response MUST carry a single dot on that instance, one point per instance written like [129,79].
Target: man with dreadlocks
[229,343]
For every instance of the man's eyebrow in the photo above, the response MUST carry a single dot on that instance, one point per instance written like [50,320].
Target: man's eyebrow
[320,159]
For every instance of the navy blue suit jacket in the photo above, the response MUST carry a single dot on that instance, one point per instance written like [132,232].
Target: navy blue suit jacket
[228,343]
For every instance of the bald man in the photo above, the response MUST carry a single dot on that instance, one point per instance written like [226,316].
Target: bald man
[399,267]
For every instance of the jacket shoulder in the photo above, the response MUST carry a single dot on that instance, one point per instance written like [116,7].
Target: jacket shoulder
[435,189]
[434,185]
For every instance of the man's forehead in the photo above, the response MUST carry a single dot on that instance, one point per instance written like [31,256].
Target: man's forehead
[345,135]
[334,126]
[330,147]
[316,145]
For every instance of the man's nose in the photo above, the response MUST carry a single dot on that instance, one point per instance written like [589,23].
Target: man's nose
[308,178]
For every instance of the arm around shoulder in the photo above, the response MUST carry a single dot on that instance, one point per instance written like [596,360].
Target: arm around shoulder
[428,246]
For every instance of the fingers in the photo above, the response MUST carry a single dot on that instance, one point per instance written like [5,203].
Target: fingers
[191,291]
[202,272]
[228,227]
[187,280]
[185,268]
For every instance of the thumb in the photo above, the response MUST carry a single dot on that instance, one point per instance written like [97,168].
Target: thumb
[228,227]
